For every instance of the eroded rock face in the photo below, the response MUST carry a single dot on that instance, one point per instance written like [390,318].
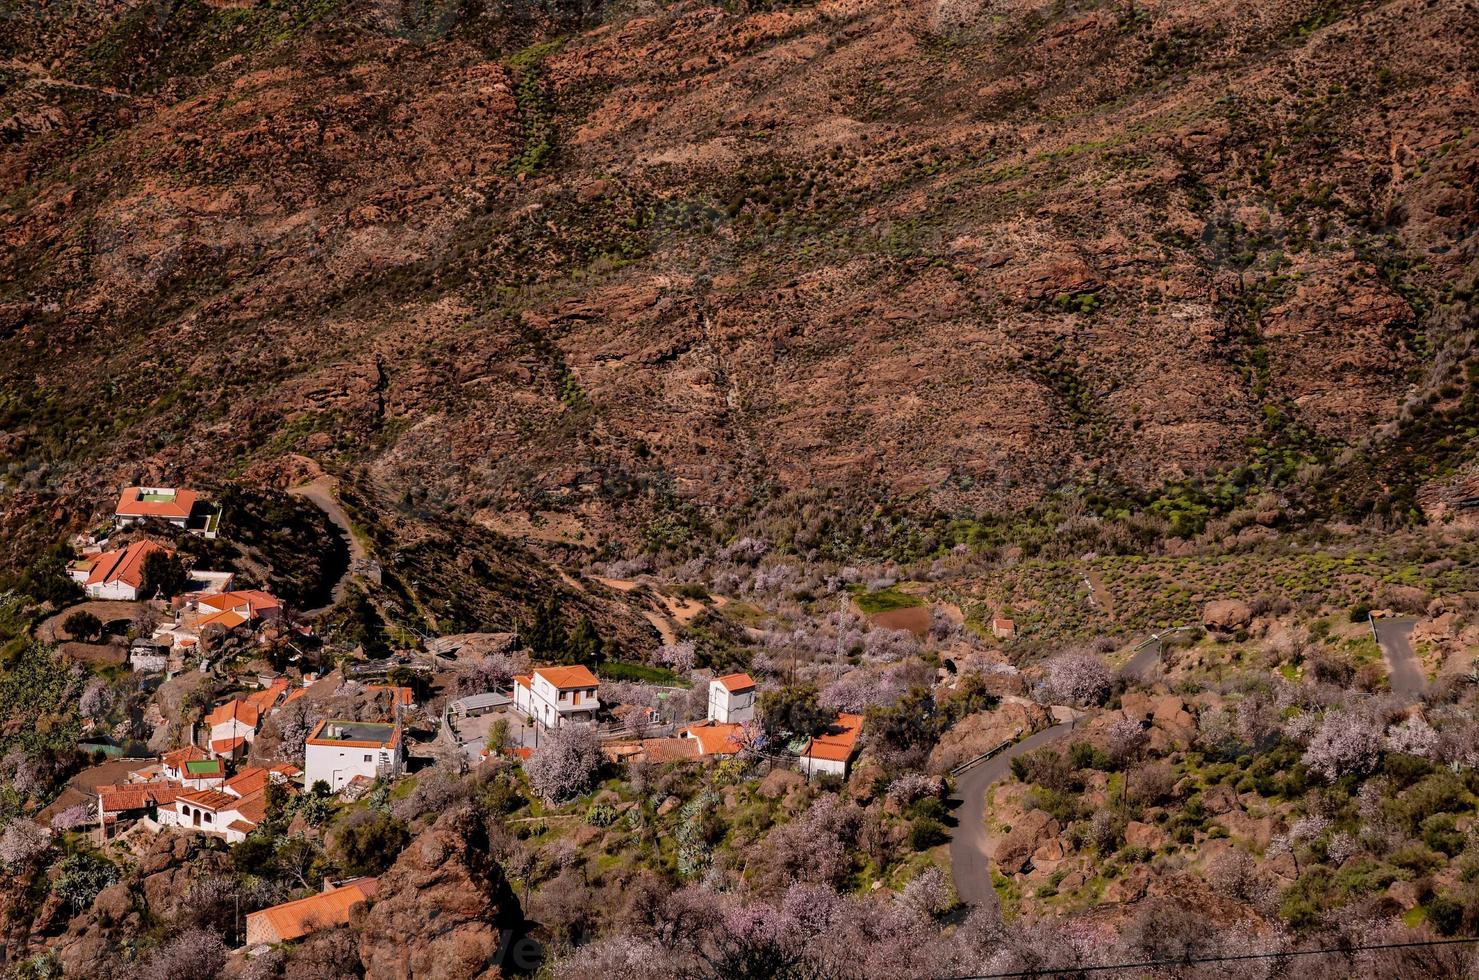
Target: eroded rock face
[441,910]
[985,730]
[942,323]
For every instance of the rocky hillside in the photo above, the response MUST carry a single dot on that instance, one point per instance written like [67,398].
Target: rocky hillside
[563,271]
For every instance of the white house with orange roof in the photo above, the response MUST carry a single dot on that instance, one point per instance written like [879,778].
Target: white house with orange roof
[831,753]
[232,727]
[732,698]
[555,696]
[203,613]
[338,751]
[182,508]
[115,574]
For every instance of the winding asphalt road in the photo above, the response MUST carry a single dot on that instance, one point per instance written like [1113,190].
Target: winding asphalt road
[1395,637]
[969,859]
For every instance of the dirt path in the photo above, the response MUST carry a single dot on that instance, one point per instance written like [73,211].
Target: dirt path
[1395,638]
[970,848]
[320,493]
[1102,597]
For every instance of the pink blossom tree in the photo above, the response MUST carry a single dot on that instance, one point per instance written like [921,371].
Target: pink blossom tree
[1077,677]
[1345,743]
[565,763]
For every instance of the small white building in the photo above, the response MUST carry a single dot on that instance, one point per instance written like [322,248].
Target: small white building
[233,726]
[338,751]
[555,696]
[831,752]
[146,656]
[732,699]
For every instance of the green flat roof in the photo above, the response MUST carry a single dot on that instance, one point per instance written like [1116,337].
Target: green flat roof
[203,765]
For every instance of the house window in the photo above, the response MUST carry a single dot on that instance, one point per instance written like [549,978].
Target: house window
[209,817]
[562,695]
[369,758]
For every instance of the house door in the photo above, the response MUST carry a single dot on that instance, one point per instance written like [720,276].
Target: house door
[197,818]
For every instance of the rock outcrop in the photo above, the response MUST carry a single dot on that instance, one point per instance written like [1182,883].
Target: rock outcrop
[1227,615]
[985,730]
[441,911]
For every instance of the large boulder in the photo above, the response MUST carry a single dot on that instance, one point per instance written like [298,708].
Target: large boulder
[1014,851]
[441,910]
[1227,615]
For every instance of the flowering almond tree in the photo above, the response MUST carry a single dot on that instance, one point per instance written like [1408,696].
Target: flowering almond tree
[565,763]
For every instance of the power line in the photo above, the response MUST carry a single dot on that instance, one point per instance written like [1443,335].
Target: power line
[1195,960]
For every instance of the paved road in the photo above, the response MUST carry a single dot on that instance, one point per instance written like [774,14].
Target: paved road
[1395,637]
[1145,660]
[969,856]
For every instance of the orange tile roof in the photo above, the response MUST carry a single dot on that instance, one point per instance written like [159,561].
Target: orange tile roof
[735,683]
[254,601]
[225,746]
[237,709]
[178,757]
[137,796]
[264,699]
[131,504]
[249,780]
[253,807]
[293,920]
[670,749]
[209,799]
[226,620]
[715,739]
[522,680]
[126,566]
[839,742]
[564,678]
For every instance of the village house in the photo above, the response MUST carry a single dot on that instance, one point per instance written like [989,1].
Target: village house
[182,508]
[732,698]
[237,807]
[831,752]
[555,696]
[715,738]
[231,727]
[337,751]
[115,574]
[1003,629]
[214,811]
[201,614]
[193,767]
[128,802]
[294,920]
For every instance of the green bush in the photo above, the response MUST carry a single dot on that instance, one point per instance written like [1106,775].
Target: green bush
[925,833]
[1416,858]
[1445,914]
[1439,833]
